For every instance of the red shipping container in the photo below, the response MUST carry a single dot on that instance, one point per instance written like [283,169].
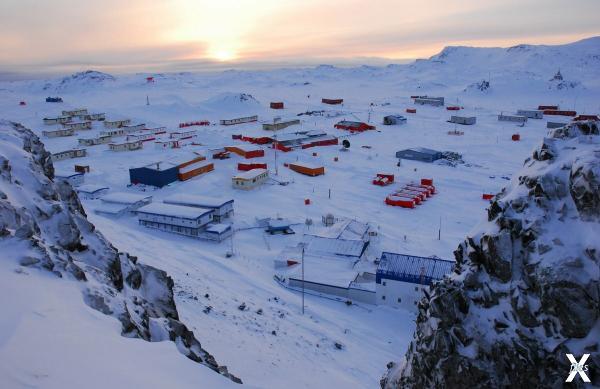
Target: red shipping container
[276,105]
[587,117]
[453,108]
[411,110]
[516,137]
[426,181]
[559,113]
[487,196]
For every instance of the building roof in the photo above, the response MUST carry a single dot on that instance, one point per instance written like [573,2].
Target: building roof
[194,166]
[422,150]
[191,200]
[340,247]
[90,188]
[111,208]
[326,270]
[250,174]
[307,165]
[174,210]
[218,228]
[412,269]
[124,198]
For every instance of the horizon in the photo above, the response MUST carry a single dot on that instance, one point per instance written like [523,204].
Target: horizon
[185,35]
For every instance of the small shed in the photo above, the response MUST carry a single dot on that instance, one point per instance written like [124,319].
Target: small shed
[250,179]
[307,169]
[464,120]
[276,105]
[419,154]
[394,119]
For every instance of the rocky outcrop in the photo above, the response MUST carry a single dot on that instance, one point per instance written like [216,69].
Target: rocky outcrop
[47,222]
[526,289]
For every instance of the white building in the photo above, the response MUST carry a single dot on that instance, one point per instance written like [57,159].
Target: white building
[181,135]
[464,120]
[428,100]
[512,118]
[93,116]
[78,125]
[91,191]
[401,279]
[57,120]
[222,208]
[58,133]
[531,114]
[73,178]
[178,219]
[95,141]
[75,112]
[126,146]
[121,203]
[250,179]
[116,123]
[168,144]
[67,154]
[247,119]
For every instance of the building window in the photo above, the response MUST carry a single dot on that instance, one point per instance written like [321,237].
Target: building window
[416,288]
[383,297]
[383,283]
[399,300]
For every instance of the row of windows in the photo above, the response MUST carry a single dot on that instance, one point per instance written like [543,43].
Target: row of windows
[416,287]
[169,227]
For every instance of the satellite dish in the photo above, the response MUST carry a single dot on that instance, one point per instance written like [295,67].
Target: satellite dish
[346,144]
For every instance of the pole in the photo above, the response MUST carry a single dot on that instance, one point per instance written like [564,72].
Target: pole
[440,230]
[276,144]
[303,279]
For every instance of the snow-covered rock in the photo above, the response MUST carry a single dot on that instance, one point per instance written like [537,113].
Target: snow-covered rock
[79,80]
[526,287]
[43,226]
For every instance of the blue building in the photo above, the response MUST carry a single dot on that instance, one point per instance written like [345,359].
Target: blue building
[157,174]
[419,154]
[400,279]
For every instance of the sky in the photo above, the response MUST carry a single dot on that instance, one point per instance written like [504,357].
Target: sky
[148,35]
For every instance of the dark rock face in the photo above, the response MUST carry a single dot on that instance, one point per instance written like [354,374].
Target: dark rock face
[50,218]
[525,292]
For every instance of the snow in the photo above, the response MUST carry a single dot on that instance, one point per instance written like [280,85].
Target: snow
[124,198]
[47,316]
[90,188]
[174,210]
[372,335]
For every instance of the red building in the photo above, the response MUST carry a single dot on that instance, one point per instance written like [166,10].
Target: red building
[332,101]
[545,107]
[587,117]
[276,105]
[249,166]
[353,126]
[559,113]
[246,152]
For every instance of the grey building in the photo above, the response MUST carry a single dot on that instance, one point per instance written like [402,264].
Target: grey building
[465,120]
[512,118]
[279,125]
[426,100]
[419,154]
[394,119]
[531,114]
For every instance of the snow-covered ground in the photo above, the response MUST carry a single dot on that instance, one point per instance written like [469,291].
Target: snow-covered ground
[280,347]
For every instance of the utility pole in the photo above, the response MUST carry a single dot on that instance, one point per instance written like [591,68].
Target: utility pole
[303,278]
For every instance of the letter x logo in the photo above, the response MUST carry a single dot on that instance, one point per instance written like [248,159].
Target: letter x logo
[578,368]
